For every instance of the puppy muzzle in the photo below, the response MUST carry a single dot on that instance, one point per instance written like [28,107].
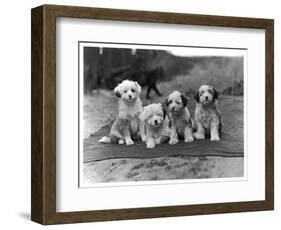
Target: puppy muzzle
[156,123]
[175,109]
[130,98]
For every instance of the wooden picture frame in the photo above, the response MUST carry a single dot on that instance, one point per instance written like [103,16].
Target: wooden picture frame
[43,189]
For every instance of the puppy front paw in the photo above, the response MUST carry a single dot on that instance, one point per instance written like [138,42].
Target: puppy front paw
[215,138]
[143,138]
[189,139]
[123,117]
[173,141]
[150,145]
[121,142]
[129,142]
[199,136]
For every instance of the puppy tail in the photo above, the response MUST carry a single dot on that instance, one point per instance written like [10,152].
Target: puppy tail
[105,140]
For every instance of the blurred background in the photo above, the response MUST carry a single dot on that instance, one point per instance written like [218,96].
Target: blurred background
[159,72]
[104,68]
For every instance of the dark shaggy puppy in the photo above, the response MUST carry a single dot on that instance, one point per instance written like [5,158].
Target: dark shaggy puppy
[207,114]
[148,78]
[179,116]
[151,81]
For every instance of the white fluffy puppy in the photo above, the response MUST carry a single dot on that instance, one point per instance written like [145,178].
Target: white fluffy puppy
[156,124]
[207,114]
[178,113]
[127,123]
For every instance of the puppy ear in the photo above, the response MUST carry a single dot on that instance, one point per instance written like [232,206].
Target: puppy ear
[144,115]
[138,86]
[166,102]
[117,91]
[164,111]
[184,99]
[196,96]
[216,95]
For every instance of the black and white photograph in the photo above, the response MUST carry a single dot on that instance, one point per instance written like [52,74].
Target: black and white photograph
[160,113]
[147,114]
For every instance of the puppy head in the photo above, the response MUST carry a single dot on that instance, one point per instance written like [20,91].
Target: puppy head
[206,95]
[127,91]
[176,101]
[153,115]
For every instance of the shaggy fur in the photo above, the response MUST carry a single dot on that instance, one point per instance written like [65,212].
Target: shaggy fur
[127,123]
[178,113]
[207,114]
[156,124]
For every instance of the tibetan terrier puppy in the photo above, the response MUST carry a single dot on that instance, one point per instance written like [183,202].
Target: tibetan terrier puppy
[179,116]
[127,123]
[156,124]
[207,114]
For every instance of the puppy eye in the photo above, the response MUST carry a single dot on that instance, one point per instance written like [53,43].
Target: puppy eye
[132,90]
[177,102]
[125,91]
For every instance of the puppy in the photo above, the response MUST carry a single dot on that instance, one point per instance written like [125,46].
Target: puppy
[156,124]
[127,123]
[151,78]
[179,116]
[207,114]
[147,78]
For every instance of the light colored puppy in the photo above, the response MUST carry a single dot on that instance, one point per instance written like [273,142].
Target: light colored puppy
[127,123]
[156,124]
[207,114]
[179,116]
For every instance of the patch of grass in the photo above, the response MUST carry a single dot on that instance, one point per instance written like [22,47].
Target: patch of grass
[203,158]
[154,163]
[155,178]
[194,171]
[178,155]
[168,168]
[181,165]
[132,174]
[139,166]
[123,161]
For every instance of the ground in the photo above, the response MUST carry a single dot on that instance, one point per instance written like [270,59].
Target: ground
[100,108]
[162,168]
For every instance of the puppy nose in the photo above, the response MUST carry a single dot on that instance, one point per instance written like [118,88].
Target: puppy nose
[130,96]
[155,121]
[206,97]
[173,108]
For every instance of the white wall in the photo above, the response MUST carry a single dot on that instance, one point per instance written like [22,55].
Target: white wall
[15,112]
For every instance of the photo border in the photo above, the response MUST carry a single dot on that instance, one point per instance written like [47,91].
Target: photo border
[83,44]
[43,125]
